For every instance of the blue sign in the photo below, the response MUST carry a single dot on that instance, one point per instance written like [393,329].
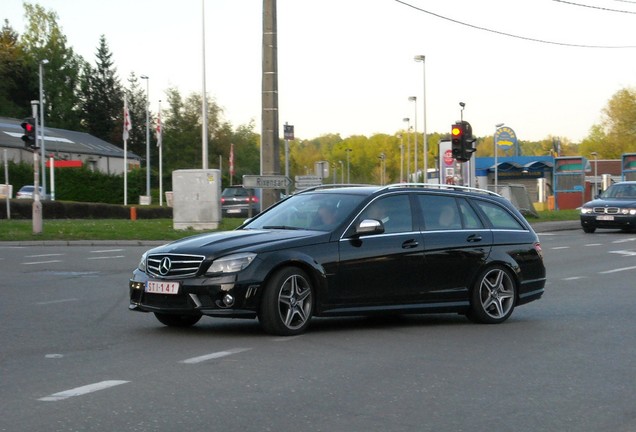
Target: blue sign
[505,138]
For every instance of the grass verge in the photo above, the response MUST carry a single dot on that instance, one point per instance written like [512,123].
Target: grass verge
[149,229]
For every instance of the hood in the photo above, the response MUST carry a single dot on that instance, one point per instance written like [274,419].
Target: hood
[221,243]
[611,202]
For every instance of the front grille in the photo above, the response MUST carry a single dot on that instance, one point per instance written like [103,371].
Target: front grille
[173,266]
[606,210]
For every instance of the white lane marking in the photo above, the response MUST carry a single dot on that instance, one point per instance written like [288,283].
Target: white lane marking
[213,356]
[42,262]
[574,278]
[594,244]
[624,240]
[618,270]
[43,255]
[561,247]
[106,257]
[80,391]
[624,252]
[106,251]
[53,356]
[57,301]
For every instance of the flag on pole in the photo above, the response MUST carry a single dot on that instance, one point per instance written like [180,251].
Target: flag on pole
[159,126]
[127,123]
[231,160]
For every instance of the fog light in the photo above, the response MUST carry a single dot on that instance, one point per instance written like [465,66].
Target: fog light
[228,300]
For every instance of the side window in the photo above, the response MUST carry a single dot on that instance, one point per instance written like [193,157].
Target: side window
[499,217]
[471,220]
[440,212]
[393,211]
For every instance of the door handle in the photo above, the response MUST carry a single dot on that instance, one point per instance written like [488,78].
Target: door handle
[473,238]
[410,244]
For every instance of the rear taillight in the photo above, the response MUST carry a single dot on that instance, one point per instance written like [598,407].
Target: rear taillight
[254,199]
[222,200]
[537,247]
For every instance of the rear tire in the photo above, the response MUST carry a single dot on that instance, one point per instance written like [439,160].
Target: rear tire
[287,303]
[493,297]
[171,320]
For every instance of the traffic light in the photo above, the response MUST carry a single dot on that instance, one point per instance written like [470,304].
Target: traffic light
[462,141]
[30,141]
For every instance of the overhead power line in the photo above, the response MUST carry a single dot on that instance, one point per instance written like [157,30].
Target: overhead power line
[513,35]
[594,7]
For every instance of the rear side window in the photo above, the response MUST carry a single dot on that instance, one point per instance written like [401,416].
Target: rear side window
[499,217]
[440,212]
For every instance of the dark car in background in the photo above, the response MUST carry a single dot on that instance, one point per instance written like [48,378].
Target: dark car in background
[350,251]
[236,201]
[614,208]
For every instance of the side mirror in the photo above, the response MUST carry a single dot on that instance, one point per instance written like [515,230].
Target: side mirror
[369,226]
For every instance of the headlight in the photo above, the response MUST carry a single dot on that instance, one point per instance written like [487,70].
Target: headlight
[232,263]
[142,263]
[586,210]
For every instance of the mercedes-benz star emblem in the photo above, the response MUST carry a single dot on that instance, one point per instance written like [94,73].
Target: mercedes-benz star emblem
[164,266]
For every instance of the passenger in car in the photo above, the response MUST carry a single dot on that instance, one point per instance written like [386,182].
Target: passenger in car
[448,217]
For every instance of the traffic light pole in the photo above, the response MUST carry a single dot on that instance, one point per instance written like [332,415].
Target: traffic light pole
[37,205]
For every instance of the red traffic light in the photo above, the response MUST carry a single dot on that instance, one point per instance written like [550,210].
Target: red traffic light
[28,124]
[457,131]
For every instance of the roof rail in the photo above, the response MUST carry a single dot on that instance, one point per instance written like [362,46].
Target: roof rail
[331,186]
[442,186]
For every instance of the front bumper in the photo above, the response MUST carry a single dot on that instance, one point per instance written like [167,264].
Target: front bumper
[618,221]
[220,297]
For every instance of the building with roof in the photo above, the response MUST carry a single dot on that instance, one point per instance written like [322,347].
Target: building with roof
[66,145]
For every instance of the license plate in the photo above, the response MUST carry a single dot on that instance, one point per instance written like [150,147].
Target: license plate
[234,211]
[605,218]
[162,287]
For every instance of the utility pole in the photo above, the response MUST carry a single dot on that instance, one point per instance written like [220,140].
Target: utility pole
[270,163]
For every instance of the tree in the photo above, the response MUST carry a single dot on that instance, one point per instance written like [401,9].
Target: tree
[620,124]
[44,40]
[15,76]
[102,97]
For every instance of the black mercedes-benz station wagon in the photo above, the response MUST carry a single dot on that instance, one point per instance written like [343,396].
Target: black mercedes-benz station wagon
[350,251]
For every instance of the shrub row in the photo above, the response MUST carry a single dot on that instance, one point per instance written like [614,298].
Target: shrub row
[23,209]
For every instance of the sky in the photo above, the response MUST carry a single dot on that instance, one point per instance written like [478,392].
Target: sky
[541,67]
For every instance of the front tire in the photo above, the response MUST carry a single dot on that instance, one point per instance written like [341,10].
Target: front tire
[177,320]
[287,303]
[493,297]
[589,230]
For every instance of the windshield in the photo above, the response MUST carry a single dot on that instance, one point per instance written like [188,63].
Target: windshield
[313,211]
[620,191]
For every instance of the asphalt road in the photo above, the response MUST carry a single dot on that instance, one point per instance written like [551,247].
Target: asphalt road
[73,358]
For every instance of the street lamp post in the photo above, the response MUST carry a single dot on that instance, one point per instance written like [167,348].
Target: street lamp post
[422,58]
[408,147]
[41,128]
[401,158]
[382,165]
[348,170]
[145,77]
[595,173]
[494,140]
[341,171]
[414,100]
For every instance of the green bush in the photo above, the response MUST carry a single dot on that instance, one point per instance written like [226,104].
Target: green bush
[85,185]
[23,209]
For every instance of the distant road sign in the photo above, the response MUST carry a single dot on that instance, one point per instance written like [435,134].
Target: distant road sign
[304,182]
[266,181]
